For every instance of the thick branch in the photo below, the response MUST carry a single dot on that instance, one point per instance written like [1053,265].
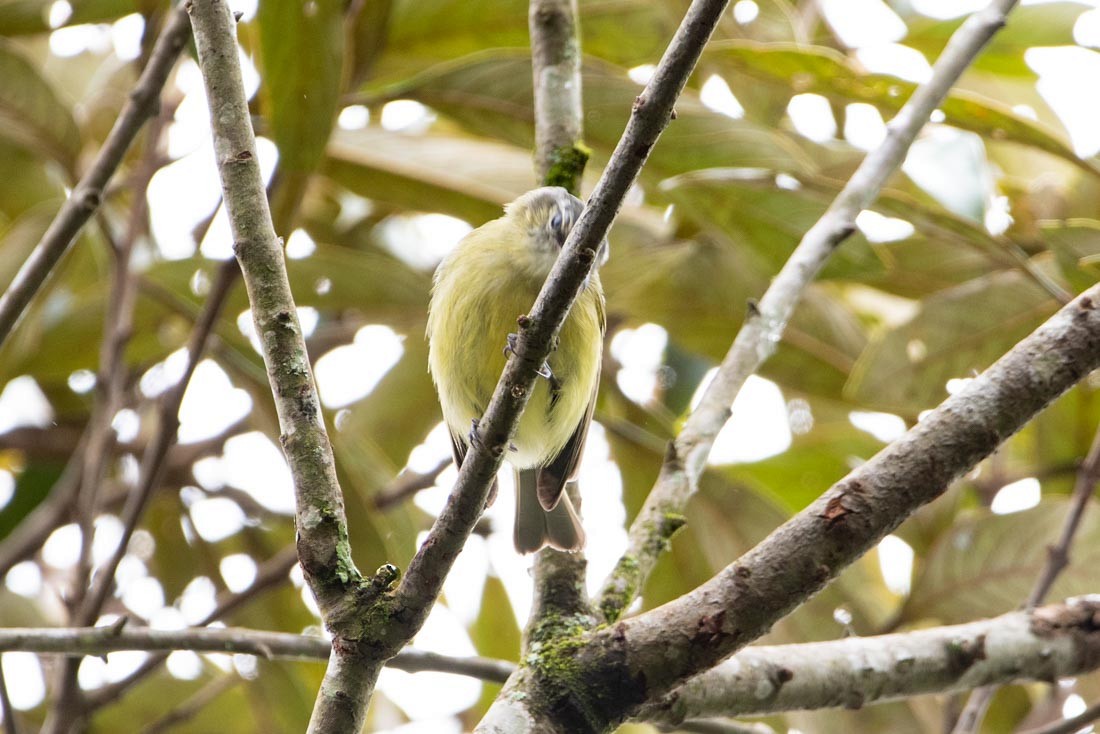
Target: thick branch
[1045,644]
[323,547]
[763,328]
[88,193]
[650,654]
[320,521]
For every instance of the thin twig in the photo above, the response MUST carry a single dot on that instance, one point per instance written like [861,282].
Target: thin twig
[110,386]
[85,641]
[1057,559]
[1058,554]
[11,724]
[88,193]
[193,705]
[406,484]
[1072,724]
[152,464]
[272,573]
[715,726]
[763,327]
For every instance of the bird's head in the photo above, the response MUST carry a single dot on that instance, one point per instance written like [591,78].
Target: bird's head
[547,215]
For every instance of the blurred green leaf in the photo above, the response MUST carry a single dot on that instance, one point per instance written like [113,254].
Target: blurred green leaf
[301,56]
[19,17]
[489,93]
[816,459]
[756,212]
[32,485]
[31,114]
[987,565]
[423,33]
[368,34]
[301,53]
[462,177]
[1076,245]
[1046,24]
[828,73]
[954,334]
[27,191]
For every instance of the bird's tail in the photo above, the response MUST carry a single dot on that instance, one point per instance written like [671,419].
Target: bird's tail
[558,527]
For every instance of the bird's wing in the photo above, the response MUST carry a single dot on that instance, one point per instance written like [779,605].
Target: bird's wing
[564,466]
[458,449]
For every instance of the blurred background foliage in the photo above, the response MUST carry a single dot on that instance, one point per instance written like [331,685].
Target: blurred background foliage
[935,287]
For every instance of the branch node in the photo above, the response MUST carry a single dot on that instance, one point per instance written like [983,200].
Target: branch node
[385,577]
[115,628]
[89,199]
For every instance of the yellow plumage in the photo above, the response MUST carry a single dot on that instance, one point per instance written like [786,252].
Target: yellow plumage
[491,278]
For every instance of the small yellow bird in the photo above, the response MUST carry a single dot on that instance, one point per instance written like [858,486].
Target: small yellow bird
[490,279]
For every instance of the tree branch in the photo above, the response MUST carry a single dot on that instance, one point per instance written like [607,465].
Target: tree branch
[759,336]
[409,605]
[88,193]
[95,641]
[406,484]
[617,668]
[193,705]
[272,572]
[705,726]
[560,157]
[1042,644]
[1072,724]
[1058,554]
[153,460]
[11,726]
[343,598]
[560,154]
[320,519]
[1057,559]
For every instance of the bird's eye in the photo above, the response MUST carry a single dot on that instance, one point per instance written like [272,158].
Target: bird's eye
[555,221]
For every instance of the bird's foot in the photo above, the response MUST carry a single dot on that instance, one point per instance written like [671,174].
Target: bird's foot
[543,371]
[474,436]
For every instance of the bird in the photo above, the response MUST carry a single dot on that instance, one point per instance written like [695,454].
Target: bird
[489,279]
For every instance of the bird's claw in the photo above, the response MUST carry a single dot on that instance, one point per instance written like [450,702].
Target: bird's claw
[544,371]
[510,347]
[473,436]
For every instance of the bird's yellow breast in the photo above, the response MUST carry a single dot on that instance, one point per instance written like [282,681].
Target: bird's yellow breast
[491,279]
